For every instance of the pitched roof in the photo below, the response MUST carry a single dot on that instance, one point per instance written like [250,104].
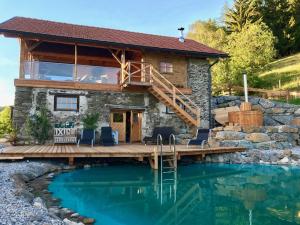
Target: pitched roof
[28,27]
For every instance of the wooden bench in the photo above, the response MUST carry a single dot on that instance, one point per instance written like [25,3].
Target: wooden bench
[65,135]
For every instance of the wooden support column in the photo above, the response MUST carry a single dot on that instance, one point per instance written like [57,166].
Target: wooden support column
[123,61]
[71,161]
[75,63]
[22,58]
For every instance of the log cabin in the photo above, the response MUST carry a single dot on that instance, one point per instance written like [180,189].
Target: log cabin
[135,81]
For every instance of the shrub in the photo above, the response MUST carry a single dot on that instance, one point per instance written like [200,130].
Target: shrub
[90,121]
[38,125]
[5,121]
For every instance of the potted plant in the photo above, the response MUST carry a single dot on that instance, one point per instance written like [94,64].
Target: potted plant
[90,124]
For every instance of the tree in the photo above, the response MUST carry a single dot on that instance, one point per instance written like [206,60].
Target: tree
[277,15]
[249,50]
[294,24]
[5,121]
[241,14]
[208,33]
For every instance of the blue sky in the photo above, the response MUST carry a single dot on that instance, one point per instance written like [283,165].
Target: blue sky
[155,16]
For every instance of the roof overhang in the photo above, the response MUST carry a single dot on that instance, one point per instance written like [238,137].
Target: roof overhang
[45,37]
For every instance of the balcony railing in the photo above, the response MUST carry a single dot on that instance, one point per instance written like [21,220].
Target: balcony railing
[40,70]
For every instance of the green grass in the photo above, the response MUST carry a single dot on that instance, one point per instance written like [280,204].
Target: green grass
[285,69]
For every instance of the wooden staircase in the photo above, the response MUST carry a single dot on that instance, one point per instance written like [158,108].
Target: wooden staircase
[144,74]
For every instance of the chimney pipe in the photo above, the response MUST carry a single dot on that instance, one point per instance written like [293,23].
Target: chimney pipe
[181,38]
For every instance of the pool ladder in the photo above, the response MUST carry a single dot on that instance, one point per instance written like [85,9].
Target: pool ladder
[168,166]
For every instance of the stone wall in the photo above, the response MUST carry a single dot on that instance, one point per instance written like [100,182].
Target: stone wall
[267,137]
[28,100]
[275,113]
[198,81]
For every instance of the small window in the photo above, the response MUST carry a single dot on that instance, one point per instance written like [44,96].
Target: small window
[166,67]
[66,103]
[118,117]
[169,110]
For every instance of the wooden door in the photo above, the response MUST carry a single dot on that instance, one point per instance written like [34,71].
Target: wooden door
[136,126]
[118,122]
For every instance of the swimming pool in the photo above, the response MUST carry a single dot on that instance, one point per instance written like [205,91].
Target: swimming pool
[203,194]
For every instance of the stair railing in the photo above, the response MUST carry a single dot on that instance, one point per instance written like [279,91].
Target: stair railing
[143,72]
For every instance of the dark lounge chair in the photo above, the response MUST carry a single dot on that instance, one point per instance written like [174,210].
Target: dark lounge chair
[87,137]
[106,137]
[202,137]
[165,132]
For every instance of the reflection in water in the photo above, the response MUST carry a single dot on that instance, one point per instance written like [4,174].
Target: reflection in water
[203,194]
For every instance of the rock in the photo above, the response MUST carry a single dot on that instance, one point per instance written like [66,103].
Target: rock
[38,203]
[265,103]
[271,129]
[230,135]
[257,137]
[284,160]
[295,122]
[287,129]
[75,215]
[236,143]
[233,128]
[69,222]
[269,121]
[279,137]
[283,119]
[287,152]
[275,110]
[216,129]
[88,220]
[297,112]
[267,145]
[253,129]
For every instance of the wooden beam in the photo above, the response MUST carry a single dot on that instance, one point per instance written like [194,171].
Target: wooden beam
[75,63]
[34,45]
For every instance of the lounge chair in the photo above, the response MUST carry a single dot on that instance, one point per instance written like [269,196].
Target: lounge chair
[87,137]
[202,137]
[106,137]
[165,132]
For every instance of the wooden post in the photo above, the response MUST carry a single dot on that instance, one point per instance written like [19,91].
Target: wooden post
[71,161]
[123,61]
[75,63]
[155,159]
[22,56]
[174,96]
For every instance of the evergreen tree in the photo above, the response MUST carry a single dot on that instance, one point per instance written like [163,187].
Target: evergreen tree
[242,13]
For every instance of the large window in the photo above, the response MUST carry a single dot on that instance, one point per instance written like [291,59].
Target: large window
[166,67]
[40,70]
[66,103]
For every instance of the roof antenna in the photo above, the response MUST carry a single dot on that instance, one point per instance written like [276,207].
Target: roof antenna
[181,38]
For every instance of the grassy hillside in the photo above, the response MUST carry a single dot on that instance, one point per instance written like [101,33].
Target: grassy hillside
[286,69]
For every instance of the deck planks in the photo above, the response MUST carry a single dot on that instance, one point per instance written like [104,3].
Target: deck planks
[123,150]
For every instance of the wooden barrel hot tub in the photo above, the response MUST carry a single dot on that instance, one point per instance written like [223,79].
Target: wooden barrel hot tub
[246,118]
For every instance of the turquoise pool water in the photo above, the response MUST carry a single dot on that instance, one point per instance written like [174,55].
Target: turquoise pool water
[204,194]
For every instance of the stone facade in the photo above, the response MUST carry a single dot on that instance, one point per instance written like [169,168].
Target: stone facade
[27,100]
[198,81]
[275,113]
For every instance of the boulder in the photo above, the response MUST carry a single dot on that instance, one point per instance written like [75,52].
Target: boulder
[230,135]
[233,128]
[297,112]
[287,129]
[269,121]
[258,108]
[257,137]
[69,222]
[279,137]
[253,129]
[271,129]
[295,122]
[265,103]
[283,119]
[236,143]
[284,160]
[267,145]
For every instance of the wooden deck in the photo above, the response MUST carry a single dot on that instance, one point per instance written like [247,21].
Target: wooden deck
[137,151]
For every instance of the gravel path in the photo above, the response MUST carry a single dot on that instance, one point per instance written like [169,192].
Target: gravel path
[18,206]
